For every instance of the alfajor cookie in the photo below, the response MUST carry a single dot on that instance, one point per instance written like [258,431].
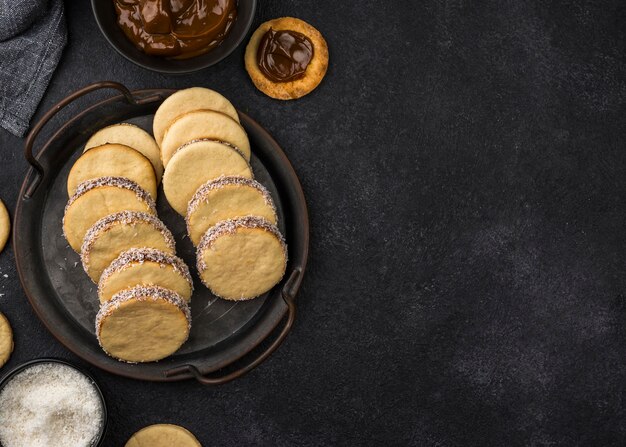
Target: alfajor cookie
[97,198]
[227,198]
[188,100]
[286,58]
[163,435]
[116,233]
[197,162]
[6,340]
[145,266]
[5,226]
[143,324]
[113,160]
[203,124]
[131,136]
[241,258]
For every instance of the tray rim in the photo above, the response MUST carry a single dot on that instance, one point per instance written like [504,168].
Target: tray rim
[290,284]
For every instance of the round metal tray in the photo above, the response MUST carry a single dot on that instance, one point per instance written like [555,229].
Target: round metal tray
[223,333]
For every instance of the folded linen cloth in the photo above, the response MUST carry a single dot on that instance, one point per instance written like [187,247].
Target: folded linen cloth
[32,38]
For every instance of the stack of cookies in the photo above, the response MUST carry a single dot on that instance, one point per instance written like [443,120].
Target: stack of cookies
[201,155]
[110,220]
[230,217]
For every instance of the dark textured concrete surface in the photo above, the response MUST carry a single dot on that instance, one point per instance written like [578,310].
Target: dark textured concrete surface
[465,171]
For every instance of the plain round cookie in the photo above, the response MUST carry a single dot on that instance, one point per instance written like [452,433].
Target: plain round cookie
[163,435]
[97,198]
[145,266]
[113,160]
[114,234]
[143,324]
[194,164]
[188,100]
[5,226]
[131,136]
[243,258]
[315,71]
[203,124]
[6,340]
[227,198]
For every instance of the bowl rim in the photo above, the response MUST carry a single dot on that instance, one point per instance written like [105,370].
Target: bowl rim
[235,45]
[23,366]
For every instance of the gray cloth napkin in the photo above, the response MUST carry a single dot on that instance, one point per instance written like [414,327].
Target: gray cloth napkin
[32,38]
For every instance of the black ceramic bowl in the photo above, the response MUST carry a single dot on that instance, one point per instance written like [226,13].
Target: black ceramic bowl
[7,378]
[104,12]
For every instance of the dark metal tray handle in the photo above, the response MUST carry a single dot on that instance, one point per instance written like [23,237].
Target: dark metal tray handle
[288,294]
[37,169]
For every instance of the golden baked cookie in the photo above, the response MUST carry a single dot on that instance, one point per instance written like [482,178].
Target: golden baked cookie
[143,324]
[203,124]
[6,340]
[97,198]
[113,160]
[5,226]
[227,198]
[288,82]
[242,258]
[163,435]
[188,100]
[114,234]
[194,164]
[131,136]
[145,266]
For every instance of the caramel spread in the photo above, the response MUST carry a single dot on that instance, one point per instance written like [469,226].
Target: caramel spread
[283,56]
[176,28]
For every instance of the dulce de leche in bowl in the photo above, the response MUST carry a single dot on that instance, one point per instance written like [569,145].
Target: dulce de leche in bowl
[178,29]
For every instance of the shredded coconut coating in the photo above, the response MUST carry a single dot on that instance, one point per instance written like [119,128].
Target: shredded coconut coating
[124,218]
[119,182]
[141,255]
[231,226]
[200,196]
[141,293]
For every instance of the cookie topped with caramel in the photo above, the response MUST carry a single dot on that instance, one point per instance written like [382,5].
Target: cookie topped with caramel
[286,58]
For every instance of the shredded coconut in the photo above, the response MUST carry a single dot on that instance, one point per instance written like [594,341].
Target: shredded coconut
[231,226]
[123,218]
[201,194]
[141,293]
[139,256]
[116,182]
[119,182]
[49,405]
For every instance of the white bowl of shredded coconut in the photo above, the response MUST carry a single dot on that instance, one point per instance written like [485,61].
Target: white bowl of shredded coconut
[50,403]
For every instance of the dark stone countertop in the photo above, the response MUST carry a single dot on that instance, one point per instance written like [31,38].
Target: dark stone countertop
[465,172]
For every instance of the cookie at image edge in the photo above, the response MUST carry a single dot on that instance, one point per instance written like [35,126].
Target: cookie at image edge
[5,226]
[163,435]
[6,340]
